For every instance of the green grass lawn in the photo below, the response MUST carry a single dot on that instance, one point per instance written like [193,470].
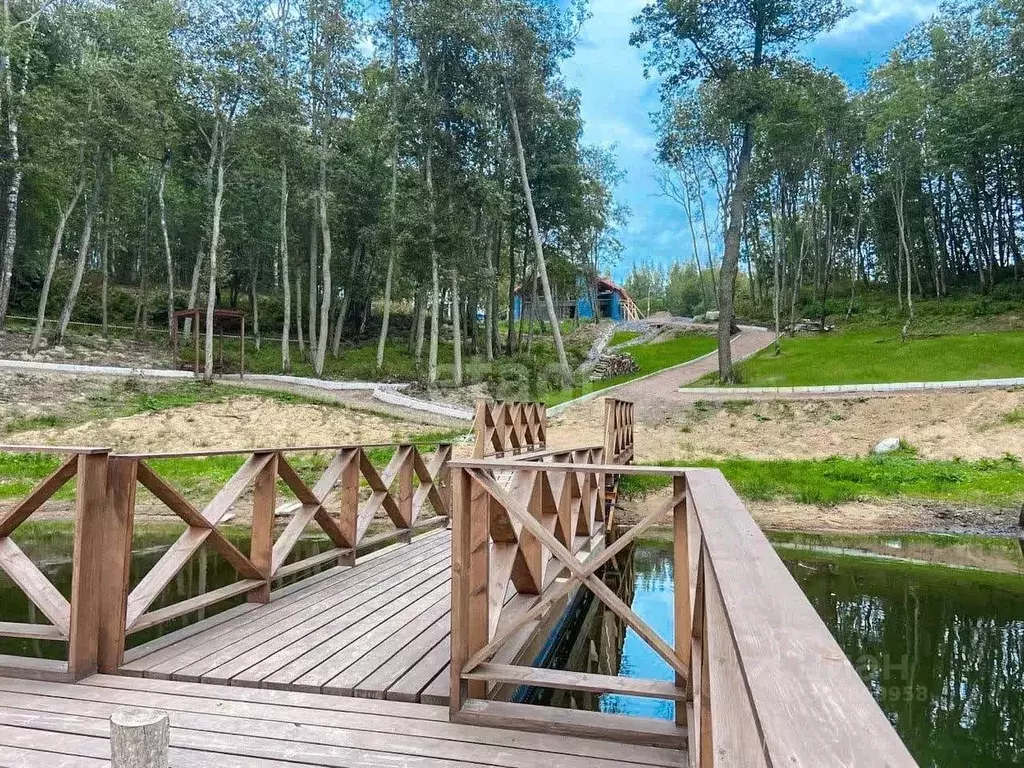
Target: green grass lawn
[875,356]
[839,479]
[651,358]
[621,337]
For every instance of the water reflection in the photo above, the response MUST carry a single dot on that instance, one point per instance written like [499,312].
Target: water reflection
[593,639]
[941,650]
[205,571]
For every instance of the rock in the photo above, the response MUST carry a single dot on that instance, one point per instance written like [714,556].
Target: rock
[711,316]
[888,445]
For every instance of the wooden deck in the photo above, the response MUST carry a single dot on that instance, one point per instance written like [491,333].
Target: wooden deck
[378,630]
[45,725]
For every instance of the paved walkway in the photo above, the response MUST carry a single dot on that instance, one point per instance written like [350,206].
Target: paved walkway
[653,390]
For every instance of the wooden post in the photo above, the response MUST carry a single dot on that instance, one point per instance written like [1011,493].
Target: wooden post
[348,514]
[118,524]
[609,429]
[444,479]
[261,546]
[480,429]
[87,564]
[681,587]
[478,571]
[405,490]
[139,738]
[460,589]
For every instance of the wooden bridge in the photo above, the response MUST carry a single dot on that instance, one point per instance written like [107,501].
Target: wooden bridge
[403,639]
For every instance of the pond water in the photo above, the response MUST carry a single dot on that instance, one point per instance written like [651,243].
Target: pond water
[49,546]
[940,647]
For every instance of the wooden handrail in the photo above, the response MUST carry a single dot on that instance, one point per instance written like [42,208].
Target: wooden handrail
[505,427]
[345,522]
[759,681]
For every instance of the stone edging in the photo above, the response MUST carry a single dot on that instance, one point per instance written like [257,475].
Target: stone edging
[171,373]
[391,396]
[831,389]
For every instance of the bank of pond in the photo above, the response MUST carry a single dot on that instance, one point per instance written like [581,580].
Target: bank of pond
[934,625]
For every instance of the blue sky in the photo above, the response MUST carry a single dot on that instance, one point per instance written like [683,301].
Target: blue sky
[617,102]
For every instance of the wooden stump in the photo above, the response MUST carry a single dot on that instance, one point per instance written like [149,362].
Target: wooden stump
[139,738]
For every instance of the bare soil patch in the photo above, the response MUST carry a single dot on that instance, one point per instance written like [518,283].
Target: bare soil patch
[899,515]
[242,422]
[940,425]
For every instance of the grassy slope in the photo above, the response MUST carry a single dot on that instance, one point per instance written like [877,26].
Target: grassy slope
[840,479]
[651,358]
[621,337]
[870,356]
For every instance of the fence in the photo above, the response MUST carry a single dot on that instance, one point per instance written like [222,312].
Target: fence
[759,681]
[103,610]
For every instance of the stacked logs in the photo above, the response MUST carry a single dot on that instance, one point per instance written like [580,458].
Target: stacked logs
[613,364]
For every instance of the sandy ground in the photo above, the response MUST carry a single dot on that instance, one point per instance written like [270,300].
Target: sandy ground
[941,425]
[242,422]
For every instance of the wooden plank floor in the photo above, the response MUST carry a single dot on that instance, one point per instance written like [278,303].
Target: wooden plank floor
[51,725]
[378,630]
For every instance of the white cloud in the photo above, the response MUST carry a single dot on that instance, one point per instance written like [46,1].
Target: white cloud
[870,14]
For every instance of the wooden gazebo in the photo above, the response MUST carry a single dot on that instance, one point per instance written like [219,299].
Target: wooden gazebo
[220,318]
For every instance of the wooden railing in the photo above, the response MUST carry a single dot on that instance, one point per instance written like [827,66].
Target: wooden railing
[618,430]
[106,505]
[758,679]
[73,620]
[508,428]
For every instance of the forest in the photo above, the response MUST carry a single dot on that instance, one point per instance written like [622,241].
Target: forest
[351,172]
[911,188]
[313,162]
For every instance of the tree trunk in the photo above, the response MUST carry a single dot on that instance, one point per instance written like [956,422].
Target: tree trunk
[556,331]
[105,279]
[346,300]
[286,357]
[76,280]
[298,311]
[456,331]
[167,241]
[58,240]
[325,302]
[211,296]
[435,286]
[421,322]
[13,160]
[510,334]
[311,302]
[255,312]
[731,257]
[393,223]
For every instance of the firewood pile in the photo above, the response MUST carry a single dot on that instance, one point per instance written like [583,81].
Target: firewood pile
[613,364]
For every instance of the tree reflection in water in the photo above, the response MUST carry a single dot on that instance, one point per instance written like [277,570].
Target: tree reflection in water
[941,649]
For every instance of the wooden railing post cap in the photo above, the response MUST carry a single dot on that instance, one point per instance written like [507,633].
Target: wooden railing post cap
[139,738]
